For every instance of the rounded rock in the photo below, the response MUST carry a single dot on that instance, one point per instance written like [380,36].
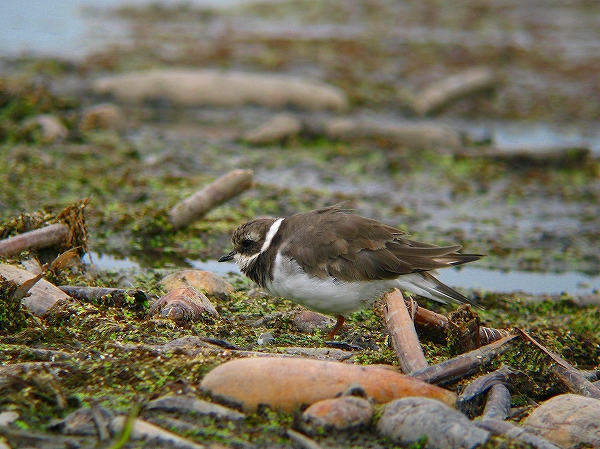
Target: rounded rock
[567,420]
[347,412]
[183,304]
[407,420]
[206,281]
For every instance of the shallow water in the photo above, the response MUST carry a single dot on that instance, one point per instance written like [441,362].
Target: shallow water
[464,277]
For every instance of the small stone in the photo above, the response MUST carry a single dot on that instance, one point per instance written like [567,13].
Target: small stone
[184,404]
[101,116]
[206,281]
[279,128]
[347,412]
[183,304]
[407,420]
[51,127]
[82,421]
[265,338]
[8,417]
[307,322]
[568,420]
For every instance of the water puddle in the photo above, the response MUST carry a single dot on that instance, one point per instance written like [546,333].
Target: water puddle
[464,277]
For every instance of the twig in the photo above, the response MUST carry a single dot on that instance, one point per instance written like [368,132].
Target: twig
[127,428]
[463,365]
[498,403]
[302,440]
[224,188]
[51,235]
[435,325]
[575,382]
[453,88]
[470,397]
[506,429]
[402,331]
[570,377]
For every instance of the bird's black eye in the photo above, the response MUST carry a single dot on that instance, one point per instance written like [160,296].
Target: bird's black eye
[247,243]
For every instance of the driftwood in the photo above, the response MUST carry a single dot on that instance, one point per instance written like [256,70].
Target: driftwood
[469,399]
[509,430]
[402,332]
[453,88]
[277,129]
[566,373]
[51,235]
[434,326]
[143,430]
[463,365]
[575,382]
[188,405]
[224,188]
[302,440]
[497,409]
[190,88]
[112,297]
[43,295]
[405,133]
[555,155]
[498,403]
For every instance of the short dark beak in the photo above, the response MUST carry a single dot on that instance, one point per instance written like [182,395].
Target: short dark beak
[227,257]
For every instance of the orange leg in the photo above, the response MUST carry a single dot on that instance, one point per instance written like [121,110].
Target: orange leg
[338,325]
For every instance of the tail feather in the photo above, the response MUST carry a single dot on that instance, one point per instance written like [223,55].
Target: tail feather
[425,284]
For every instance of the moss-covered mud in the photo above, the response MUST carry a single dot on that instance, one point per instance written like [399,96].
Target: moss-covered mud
[532,216]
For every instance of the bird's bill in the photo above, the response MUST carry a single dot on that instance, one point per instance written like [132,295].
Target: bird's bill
[227,257]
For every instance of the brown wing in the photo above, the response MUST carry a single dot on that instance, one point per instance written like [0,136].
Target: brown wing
[334,242]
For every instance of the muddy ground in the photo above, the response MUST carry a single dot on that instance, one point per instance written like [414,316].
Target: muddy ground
[535,215]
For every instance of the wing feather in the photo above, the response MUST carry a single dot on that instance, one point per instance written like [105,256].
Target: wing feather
[334,242]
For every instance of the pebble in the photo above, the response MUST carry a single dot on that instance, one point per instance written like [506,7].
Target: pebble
[143,430]
[407,420]
[278,129]
[285,383]
[568,420]
[101,117]
[266,338]
[307,322]
[206,281]
[185,404]
[83,421]
[52,128]
[347,412]
[8,417]
[183,304]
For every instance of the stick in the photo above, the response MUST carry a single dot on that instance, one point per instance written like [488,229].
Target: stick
[402,331]
[463,365]
[575,382]
[112,297]
[453,88]
[39,238]
[512,431]
[434,326]
[565,372]
[224,188]
[498,403]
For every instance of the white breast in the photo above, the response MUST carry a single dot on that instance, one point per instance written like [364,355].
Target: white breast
[324,295]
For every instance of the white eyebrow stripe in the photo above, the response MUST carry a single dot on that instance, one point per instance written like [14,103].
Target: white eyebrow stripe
[269,237]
